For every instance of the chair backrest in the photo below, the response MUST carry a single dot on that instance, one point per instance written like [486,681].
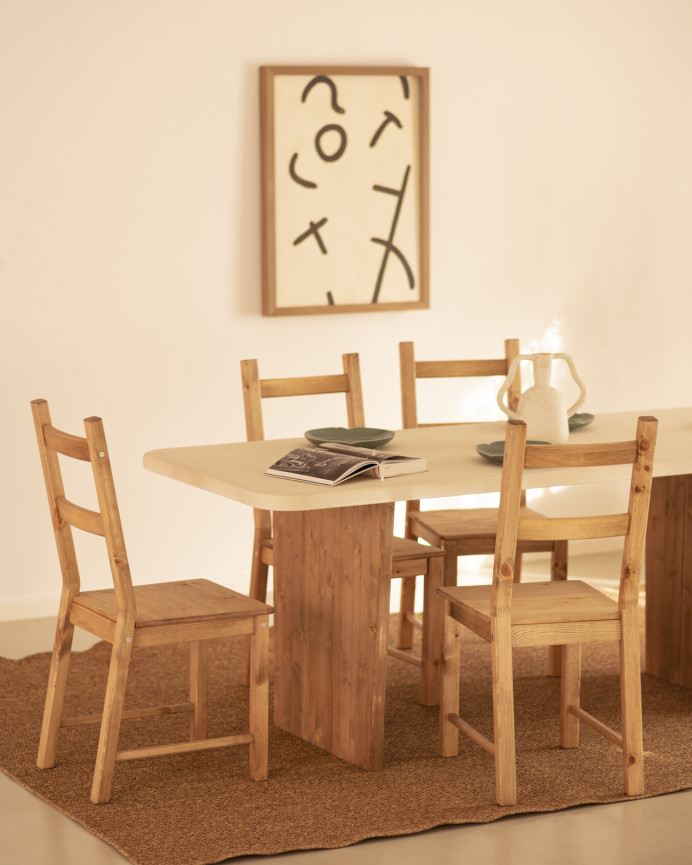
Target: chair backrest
[631,524]
[66,514]
[411,370]
[256,389]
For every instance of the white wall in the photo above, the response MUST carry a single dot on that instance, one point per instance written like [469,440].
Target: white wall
[129,229]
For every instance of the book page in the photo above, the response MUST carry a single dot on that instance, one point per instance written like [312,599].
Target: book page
[317,463]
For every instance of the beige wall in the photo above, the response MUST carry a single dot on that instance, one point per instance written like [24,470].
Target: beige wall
[129,229]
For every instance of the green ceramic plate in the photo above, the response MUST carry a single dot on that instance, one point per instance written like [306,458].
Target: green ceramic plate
[577,421]
[363,437]
[495,451]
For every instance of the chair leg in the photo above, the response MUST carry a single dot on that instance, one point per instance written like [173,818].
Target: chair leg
[259,699]
[558,571]
[433,629]
[449,692]
[259,577]
[407,599]
[569,695]
[199,678]
[450,568]
[631,706]
[112,713]
[55,693]
[407,605]
[503,719]
[558,561]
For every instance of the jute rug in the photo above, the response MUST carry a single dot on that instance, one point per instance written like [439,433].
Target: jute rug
[196,809]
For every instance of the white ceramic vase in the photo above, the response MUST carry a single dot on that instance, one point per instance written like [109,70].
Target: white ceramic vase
[542,406]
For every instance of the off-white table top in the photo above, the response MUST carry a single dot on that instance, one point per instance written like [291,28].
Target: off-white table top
[236,470]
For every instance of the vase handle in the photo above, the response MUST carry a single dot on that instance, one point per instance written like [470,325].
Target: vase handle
[580,384]
[505,386]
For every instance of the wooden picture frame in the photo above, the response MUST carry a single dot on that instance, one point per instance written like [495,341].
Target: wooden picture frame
[345,188]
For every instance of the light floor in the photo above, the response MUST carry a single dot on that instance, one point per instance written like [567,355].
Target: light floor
[653,831]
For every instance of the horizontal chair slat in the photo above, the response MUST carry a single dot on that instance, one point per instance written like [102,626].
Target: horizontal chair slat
[574,528]
[129,714]
[611,453]
[610,734]
[460,368]
[473,733]
[66,444]
[81,518]
[555,634]
[445,423]
[271,387]
[185,747]
[401,655]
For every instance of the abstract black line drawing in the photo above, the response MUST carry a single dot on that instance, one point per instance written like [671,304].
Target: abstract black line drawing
[388,118]
[323,79]
[314,230]
[389,243]
[294,176]
[341,132]
[345,188]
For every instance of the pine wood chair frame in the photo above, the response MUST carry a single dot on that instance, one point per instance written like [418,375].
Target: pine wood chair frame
[128,616]
[564,613]
[409,558]
[462,532]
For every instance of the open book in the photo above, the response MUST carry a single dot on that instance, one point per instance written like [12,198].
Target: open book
[331,463]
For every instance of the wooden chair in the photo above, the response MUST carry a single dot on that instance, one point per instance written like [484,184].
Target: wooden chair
[409,558]
[462,532]
[566,613]
[128,616]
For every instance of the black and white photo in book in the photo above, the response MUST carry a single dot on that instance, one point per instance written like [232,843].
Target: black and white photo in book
[330,464]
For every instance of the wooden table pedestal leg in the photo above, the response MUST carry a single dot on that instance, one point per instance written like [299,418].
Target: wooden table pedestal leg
[331,594]
[669,580]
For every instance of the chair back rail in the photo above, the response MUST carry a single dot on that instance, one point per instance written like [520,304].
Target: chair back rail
[606,454]
[79,517]
[256,389]
[274,387]
[460,368]
[67,514]
[573,528]
[630,525]
[65,443]
[411,370]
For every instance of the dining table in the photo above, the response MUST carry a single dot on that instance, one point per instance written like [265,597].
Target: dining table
[333,552]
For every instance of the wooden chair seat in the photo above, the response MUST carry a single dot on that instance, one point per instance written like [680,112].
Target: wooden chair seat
[127,616]
[471,530]
[183,602]
[564,613]
[544,603]
[405,549]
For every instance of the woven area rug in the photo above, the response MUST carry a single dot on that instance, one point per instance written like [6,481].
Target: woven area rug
[196,809]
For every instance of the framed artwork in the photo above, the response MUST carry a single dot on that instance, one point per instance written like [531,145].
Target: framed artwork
[345,188]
